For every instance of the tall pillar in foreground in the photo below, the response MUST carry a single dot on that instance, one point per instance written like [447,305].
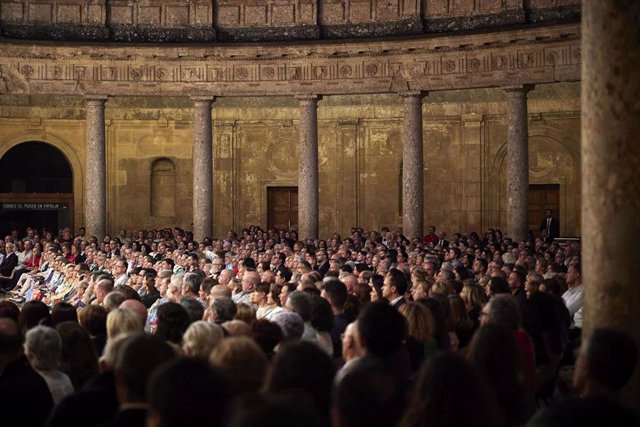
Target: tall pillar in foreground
[610,165]
[517,164]
[95,187]
[308,196]
[412,167]
[202,168]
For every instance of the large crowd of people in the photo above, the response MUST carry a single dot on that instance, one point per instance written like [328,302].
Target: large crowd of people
[261,328]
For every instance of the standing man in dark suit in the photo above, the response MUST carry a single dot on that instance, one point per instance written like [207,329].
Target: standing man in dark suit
[442,242]
[551,225]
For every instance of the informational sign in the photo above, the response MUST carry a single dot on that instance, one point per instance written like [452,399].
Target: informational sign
[34,206]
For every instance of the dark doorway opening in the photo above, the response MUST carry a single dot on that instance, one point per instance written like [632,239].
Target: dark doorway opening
[282,207]
[36,189]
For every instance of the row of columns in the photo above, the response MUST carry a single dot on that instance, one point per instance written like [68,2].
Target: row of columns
[308,192]
[610,161]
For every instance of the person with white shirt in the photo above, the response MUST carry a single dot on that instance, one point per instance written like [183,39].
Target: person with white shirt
[573,296]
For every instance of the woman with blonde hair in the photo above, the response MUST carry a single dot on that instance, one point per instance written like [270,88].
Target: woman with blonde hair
[474,298]
[532,284]
[420,327]
[443,288]
[120,321]
[201,338]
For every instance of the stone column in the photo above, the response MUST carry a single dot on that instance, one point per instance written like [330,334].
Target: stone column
[412,167]
[95,187]
[202,168]
[308,196]
[610,165]
[517,164]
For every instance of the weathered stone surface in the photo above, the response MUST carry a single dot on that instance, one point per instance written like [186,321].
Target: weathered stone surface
[260,20]
[95,208]
[202,168]
[523,56]
[412,167]
[359,155]
[610,164]
[517,164]
[308,196]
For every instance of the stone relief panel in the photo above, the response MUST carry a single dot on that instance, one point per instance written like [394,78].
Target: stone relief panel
[265,13]
[266,155]
[74,12]
[343,12]
[430,64]
[161,13]
[554,158]
[156,20]
[459,8]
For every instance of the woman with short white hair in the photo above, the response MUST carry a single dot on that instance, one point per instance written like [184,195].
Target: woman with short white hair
[43,348]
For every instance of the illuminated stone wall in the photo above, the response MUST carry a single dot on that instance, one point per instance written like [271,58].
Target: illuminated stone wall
[360,146]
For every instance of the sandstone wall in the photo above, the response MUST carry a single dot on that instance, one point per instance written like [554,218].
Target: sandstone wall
[149,156]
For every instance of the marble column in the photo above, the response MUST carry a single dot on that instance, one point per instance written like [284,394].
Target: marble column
[610,164]
[412,167]
[95,187]
[517,164]
[308,196]
[202,168]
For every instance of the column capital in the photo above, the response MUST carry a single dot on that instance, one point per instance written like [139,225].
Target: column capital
[96,98]
[413,93]
[198,99]
[308,97]
[517,88]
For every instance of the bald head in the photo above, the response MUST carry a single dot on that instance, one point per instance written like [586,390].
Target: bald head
[350,281]
[250,280]
[220,291]
[226,276]
[137,307]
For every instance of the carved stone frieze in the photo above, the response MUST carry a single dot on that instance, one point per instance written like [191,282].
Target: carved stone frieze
[526,56]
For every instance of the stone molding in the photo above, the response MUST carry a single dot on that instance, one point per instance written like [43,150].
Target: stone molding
[261,20]
[499,59]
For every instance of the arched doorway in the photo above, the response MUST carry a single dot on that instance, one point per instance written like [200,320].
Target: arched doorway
[36,189]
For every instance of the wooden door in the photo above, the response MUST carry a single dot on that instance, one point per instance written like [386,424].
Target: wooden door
[282,207]
[541,198]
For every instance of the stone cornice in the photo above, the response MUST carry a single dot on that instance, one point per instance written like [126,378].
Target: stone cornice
[424,63]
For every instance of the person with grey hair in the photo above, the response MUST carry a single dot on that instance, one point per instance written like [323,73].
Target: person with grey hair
[191,284]
[504,309]
[301,303]
[223,309]
[291,324]
[174,290]
[193,306]
[43,348]
[113,300]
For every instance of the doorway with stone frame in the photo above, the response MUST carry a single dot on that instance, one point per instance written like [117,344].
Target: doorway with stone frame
[541,198]
[282,207]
